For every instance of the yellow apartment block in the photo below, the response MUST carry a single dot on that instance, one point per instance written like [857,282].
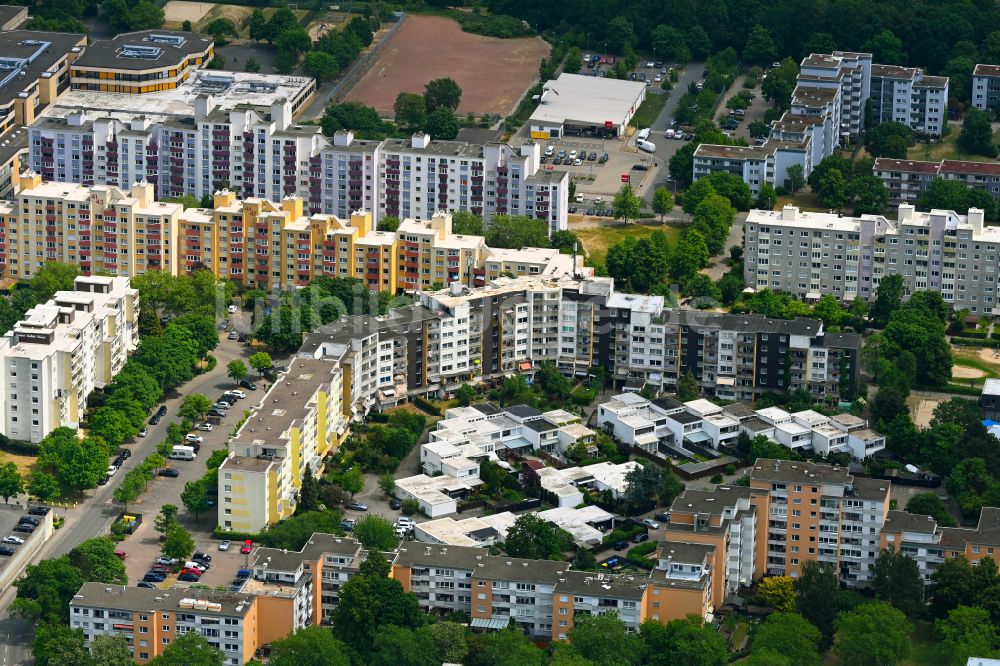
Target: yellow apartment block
[299,422]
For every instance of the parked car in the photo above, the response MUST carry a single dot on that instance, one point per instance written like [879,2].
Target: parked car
[146,583]
[191,572]
[204,427]
[143,432]
[650,523]
[603,158]
[224,545]
[562,153]
[201,556]
[24,528]
[159,567]
[216,412]
[357,506]
[121,555]
[7,551]
[639,538]
[243,574]
[38,511]
[239,394]
[191,437]
[246,383]
[640,167]
[187,578]
[152,577]
[195,565]
[592,156]
[347,524]
[166,561]
[234,335]
[153,420]
[662,517]
[125,454]
[169,472]
[246,547]
[222,406]
[28,520]
[395,504]
[557,161]
[232,308]
[16,540]
[621,545]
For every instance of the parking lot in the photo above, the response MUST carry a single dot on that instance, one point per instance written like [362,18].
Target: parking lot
[9,516]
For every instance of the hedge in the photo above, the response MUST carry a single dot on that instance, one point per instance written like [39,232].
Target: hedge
[18,446]
[426,405]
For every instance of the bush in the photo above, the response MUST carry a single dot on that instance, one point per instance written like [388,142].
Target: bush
[730,469]
[212,362]
[716,479]
[410,507]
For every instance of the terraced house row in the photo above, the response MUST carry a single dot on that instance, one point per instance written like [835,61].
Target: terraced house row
[258,242]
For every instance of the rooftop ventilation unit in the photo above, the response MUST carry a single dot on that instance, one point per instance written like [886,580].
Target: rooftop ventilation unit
[170,40]
[216,81]
[139,51]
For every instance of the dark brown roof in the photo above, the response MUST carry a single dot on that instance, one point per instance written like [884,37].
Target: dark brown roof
[986,70]
[911,166]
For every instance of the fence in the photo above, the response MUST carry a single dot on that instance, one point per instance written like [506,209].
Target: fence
[360,66]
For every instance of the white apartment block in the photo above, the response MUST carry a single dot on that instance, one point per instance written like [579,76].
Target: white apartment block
[565,484]
[813,254]
[237,131]
[906,95]
[828,107]
[64,349]
[297,423]
[986,87]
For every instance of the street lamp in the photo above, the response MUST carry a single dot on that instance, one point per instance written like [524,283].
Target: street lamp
[588,42]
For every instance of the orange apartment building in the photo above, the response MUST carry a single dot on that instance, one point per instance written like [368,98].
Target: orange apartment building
[924,540]
[257,242]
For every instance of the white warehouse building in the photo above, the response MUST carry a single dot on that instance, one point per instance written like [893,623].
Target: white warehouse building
[575,104]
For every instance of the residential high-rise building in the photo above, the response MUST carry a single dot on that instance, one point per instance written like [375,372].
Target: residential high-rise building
[62,350]
[986,87]
[827,107]
[906,180]
[813,254]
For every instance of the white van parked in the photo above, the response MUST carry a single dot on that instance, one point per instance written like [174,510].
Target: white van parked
[642,134]
[647,146]
[182,453]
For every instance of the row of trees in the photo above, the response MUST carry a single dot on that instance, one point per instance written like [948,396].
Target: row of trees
[334,51]
[432,112]
[839,183]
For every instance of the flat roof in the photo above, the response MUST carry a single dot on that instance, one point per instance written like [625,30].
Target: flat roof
[986,70]
[588,99]
[146,49]
[35,53]
[229,90]
[991,387]
[894,72]
[144,600]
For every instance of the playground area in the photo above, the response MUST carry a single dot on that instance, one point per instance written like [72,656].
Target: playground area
[431,47]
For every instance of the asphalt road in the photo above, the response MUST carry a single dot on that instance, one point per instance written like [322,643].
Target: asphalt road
[94,516]
[665,148]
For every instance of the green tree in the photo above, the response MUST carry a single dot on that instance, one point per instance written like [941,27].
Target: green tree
[816,597]
[195,497]
[43,486]
[778,85]
[778,592]
[966,632]
[959,72]
[531,537]
[309,645]
[111,651]
[370,600]
[670,487]
[410,110]
[128,490]
[144,15]
[889,139]
[442,93]
[663,201]
[868,194]
[376,533]
[308,492]
[464,222]
[251,65]
[387,483]
[11,483]
[888,296]
[450,640]
[794,179]
[957,196]
[260,361]
[465,394]
[388,223]
[767,198]
[687,387]
[873,633]
[516,232]
[790,635]
[56,645]
[178,543]
[643,484]
[396,646]
[690,256]
[603,639]
[573,62]
[929,504]
[976,136]
[320,65]
[236,370]
[687,642]
[45,590]
[626,204]
[95,559]
[833,189]
[442,125]
[353,481]
[110,425]
[505,648]
[886,48]
[669,42]
[194,406]
[190,649]
[294,40]
[898,581]
[760,48]
[221,28]
[165,518]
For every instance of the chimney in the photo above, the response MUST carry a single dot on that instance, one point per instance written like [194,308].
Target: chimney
[420,140]
[30,180]
[281,113]
[905,212]
[533,151]
[143,191]
[789,213]
[976,216]
[203,105]
[343,138]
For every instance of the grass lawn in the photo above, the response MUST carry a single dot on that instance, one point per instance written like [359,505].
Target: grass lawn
[649,110]
[597,240]
[946,150]
[23,463]
[804,199]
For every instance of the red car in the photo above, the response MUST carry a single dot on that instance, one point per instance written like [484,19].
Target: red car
[193,572]
[120,554]
[247,547]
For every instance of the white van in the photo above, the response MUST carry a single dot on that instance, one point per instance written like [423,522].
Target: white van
[669,134]
[647,146]
[182,453]
[642,134]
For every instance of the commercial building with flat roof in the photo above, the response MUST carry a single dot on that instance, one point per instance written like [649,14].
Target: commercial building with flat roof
[575,104]
[141,62]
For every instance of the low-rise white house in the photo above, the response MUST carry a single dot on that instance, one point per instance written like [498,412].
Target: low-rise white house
[566,483]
